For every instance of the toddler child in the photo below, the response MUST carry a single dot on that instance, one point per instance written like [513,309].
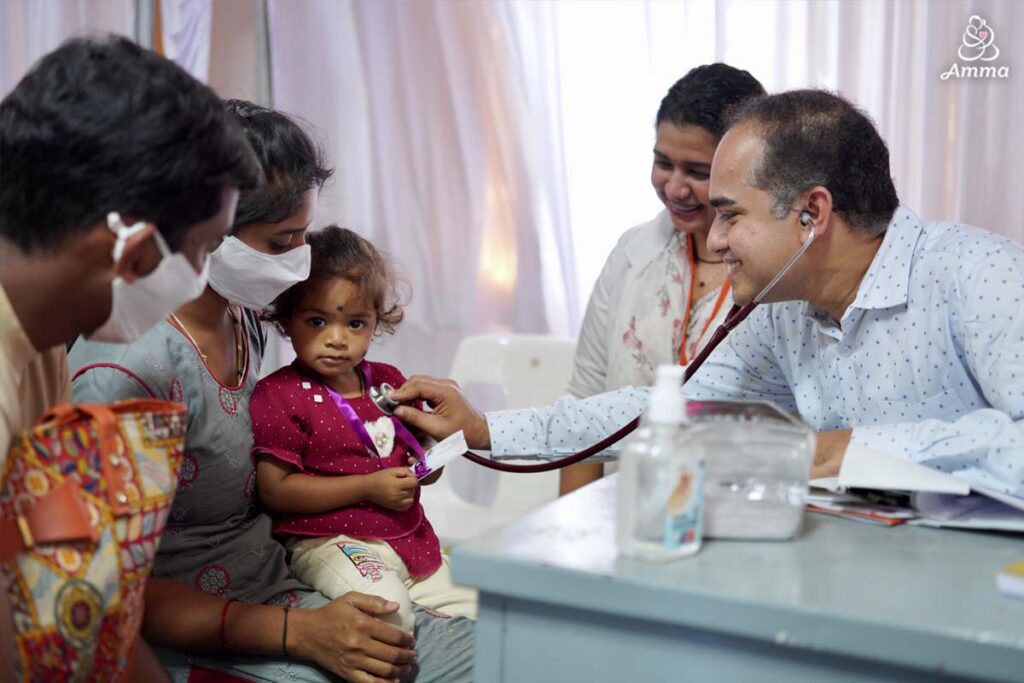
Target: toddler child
[330,465]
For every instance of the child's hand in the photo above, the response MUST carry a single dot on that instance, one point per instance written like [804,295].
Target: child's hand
[393,488]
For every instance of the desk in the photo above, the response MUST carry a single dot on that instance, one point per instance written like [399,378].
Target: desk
[843,602]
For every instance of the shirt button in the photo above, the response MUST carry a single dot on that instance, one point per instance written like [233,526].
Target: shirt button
[845,351]
[122,498]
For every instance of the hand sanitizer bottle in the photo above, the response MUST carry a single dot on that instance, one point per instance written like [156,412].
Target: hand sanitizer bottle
[661,478]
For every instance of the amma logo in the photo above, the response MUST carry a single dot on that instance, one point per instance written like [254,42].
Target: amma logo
[978,45]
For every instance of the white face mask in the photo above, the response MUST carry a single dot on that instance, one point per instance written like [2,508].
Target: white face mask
[250,278]
[138,306]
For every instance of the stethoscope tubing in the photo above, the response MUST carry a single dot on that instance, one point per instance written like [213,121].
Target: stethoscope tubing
[735,317]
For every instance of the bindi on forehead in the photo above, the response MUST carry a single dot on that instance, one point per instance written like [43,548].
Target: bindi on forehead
[353,308]
[342,296]
[338,296]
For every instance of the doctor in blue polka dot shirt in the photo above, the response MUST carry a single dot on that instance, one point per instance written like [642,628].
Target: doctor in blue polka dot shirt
[899,336]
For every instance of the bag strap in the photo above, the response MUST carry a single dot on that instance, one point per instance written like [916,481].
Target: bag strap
[104,420]
[61,515]
[103,417]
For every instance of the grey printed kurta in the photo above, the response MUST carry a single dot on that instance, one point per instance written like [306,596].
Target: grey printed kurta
[216,538]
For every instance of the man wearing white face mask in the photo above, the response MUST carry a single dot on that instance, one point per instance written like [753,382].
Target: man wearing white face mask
[141,303]
[98,134]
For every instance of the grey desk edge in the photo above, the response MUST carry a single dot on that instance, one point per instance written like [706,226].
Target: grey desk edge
[974,653]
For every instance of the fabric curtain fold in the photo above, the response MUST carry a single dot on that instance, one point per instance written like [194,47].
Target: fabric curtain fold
[31,28]
[185,34]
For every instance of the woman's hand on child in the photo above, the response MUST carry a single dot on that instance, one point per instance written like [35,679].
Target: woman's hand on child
[393,488]
[346,637]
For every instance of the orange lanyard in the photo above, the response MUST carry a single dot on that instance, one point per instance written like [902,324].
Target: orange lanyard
[683,359]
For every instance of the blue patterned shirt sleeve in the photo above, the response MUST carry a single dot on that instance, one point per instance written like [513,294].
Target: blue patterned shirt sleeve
[566,426]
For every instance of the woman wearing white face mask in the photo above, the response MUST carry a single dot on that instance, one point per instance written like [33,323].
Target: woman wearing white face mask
[218,546]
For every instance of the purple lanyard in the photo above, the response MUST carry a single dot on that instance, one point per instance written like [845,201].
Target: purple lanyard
[349,413]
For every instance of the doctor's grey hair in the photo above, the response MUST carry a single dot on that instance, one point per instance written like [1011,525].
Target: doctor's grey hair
[812,138]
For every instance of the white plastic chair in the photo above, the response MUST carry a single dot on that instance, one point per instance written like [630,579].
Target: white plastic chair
[498,371]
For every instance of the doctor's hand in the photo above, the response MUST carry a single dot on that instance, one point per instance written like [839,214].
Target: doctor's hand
[828,456]
[451,410]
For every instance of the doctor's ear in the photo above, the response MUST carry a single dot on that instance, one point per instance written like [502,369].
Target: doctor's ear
[815,210]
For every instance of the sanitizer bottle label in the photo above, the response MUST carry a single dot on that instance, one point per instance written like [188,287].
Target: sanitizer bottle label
[683,510]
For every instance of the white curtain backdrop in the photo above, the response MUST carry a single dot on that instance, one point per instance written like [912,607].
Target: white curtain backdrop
[444,130]
[31,28]
[955,146]
[499,149]
[185,34]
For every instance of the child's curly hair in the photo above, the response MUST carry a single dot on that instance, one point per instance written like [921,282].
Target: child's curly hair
[339,253]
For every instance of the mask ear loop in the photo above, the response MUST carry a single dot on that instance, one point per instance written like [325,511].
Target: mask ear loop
[123,232]
[126,232]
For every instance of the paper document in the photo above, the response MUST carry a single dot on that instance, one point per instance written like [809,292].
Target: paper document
[865,468]
[852,507]
[938,499]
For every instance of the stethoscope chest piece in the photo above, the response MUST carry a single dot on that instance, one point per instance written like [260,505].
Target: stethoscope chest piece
[381,397]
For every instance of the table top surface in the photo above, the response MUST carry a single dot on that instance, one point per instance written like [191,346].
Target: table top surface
[935,587]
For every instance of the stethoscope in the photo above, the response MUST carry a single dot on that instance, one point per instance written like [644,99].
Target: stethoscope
[737,314]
